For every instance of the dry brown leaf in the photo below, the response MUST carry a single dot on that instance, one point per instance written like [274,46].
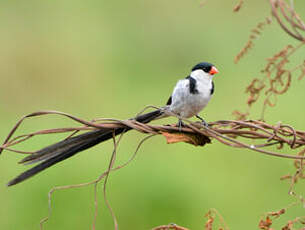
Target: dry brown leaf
[278,213]
[288,226]
[265,224]
[170,227]
[209,223]
[238,6]
[194,139]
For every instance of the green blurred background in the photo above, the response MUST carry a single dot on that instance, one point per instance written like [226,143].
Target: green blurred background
[100,58]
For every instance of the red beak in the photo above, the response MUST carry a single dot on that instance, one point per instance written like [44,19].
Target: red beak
[213,70]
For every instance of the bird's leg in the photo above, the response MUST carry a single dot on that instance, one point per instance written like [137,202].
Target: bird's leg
[203,121]
[180,124]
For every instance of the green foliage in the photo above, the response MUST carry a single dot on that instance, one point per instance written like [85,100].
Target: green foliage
[111,59]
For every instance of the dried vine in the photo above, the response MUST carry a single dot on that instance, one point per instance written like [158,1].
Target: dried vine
[225,131]
[233,133]
[255,34]
[277,74]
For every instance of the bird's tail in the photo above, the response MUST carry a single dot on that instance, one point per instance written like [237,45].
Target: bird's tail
[65,149]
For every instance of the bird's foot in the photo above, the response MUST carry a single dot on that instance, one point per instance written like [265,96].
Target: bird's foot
[205,124]
[180,124]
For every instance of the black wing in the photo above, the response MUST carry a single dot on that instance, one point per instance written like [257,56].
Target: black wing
[169,101]
[213,88]
[193,85]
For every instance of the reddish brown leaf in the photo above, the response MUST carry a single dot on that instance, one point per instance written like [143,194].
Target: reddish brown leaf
[170,227]
[288,226]
[194,139]
[278,213]
[265,224]
[209,223]
[238,6]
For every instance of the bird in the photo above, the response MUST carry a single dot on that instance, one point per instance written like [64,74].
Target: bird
[193,93]
[189,97]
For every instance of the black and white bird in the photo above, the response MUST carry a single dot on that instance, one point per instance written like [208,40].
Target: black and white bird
[189,97]
[194,92]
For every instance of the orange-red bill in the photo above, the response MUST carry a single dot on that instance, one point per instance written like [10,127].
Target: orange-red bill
[213,70]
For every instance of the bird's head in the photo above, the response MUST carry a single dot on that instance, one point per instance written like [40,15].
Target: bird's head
[204,69]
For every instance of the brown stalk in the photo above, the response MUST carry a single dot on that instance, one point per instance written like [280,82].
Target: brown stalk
[221,130]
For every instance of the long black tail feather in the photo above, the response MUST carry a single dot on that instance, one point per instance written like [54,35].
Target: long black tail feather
[65,149]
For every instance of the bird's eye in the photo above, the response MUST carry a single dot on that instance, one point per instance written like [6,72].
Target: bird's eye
[206,69]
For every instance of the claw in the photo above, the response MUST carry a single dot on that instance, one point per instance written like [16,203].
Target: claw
[205,124]
[180,124]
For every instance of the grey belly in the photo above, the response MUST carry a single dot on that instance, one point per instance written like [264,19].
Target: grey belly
[189,106]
